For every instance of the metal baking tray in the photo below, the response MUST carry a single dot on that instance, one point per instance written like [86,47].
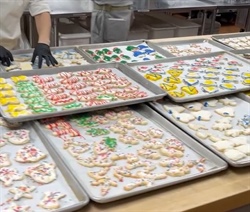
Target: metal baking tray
[241,53]
[193,57]
[193,151]
[65,183]
[154,93]
[215,47]
[28,53]
[244,96]
[233,35]
[239,112]
[119,44]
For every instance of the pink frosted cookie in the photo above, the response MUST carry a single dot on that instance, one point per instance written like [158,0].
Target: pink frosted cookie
[126,139]
[64,75]
[142,135]
[70,81]
[171,152]
[65,101]
[51,200]
[4,160]
[174,143]
[138,121]
[22,191]
[131,89]
[149,154]
[171,162]
[17,137]
[42,173]
[156,133]
[2,142]
[29,153]
[8,175]
[126,123]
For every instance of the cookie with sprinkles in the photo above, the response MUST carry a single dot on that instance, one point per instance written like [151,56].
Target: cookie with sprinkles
[51,200]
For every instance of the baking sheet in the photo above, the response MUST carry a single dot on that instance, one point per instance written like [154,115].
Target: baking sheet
[245,96]
[242,53]
[65,183]
[238,36]
[57,52]
[136,55]
[153,93]
[193,151]
[191,47]
[198,89]
[241,109]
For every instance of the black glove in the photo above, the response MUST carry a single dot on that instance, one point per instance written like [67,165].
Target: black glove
[42,51]
[5,56]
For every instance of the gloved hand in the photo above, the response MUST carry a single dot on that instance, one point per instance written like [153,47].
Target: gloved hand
[42,51]
[5,56]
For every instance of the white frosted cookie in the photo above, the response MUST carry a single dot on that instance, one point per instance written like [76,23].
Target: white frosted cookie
[224,120]
[142,135]
[17,137]
[196,106]
[215,138]
[173,108]
[210,103]
[244,149]
[171,162]
[125,114]
[118,156]
[51,200]
[138,121]
[126,123]
[4,160]
[183,117]
[127,139]
[22,191]
[77,150]
[2,142]
[197,127]
[9,125]
[174,143]
[118,129]
[202,115]
[149,154]
[137,183]
[222,126]
[42,173]
[153,144]
[8,175]
[233,132]
[222,145]
[29,154]
[234,154]
[178,171]
[17,208]
[171,152]
[238,141]
[156,133]
[153,176]
[229,102]
[226,111]
[202,134]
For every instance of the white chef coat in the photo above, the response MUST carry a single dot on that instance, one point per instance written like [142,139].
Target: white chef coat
[11,12]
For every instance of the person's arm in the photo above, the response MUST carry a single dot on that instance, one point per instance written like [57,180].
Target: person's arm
[43,26]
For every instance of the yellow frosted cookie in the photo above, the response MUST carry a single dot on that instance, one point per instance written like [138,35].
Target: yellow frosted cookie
[210,89]
[175,73]
[168,86]
[153,77]
[176,94]
[172,80]
[245,75]
[191,82]
[209,83]
[10,100]
[5,87]
[246,81]
[191,90]
[21,78]
[2,81]
[20,113]
[228,86]
[7,94]
[16,107]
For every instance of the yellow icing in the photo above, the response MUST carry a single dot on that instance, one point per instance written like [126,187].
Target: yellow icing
[2,81]
[15,108]
[9,100]
[210,89]
[6,87]
[19,113]
[246,81]
[209,83]
[246,75]
[20,78]
[172,80]
[176,94]
[190,90]
[193,75]
[7,94]
[153,77]
[228,86]
[168,86]
[175,73]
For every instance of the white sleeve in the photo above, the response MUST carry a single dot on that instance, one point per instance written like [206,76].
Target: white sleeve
[37,7]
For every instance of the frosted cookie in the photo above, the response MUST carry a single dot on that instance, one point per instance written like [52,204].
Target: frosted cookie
[118,129]
[100,119]
[178,171]
[119,173]
[228,102]
[51,200]
[2,142]
[222,126]
[138,121]
[126,139]
[183,117]
[103,163]
[22,191]
[87,162]
[238,141]
[171,152]
[171,162]
[135,165]
[245,148]
[100,174]
[202,135]
[210,103]
[17,137]
[246,131]
[137,183]
[9,125]
[153,176]
[42,173]
[171,108]
[225,120]
[4,160]
[202,115]
[226,111]
[197,127]
[233,132]
[29,153]
[193,106]
[156,133]
[132,158]
[149,154]
[222,145]
[77,150]
[174,143]
[142,135]
[126,124]
[245,121]
[153,144]
[111,115]
[8,175]
[234,154]
[125,114]
[17,208]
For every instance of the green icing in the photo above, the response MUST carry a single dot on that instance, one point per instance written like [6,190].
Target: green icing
[110,142]
[97,132]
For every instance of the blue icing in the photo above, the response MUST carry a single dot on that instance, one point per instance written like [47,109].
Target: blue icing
[142,46]
[137,53]
[145,59]
[149,51]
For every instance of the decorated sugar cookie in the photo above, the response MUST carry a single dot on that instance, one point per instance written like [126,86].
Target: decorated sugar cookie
[168,86]
[17,137]
[176,94]
[4,160]
[183,117]
[17,208]
[191,82]
[226,111]
[8,175]
[210,89]
[51,200]
[22,191]
[228,86]
[153,77]
[191,90]
[202,115]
